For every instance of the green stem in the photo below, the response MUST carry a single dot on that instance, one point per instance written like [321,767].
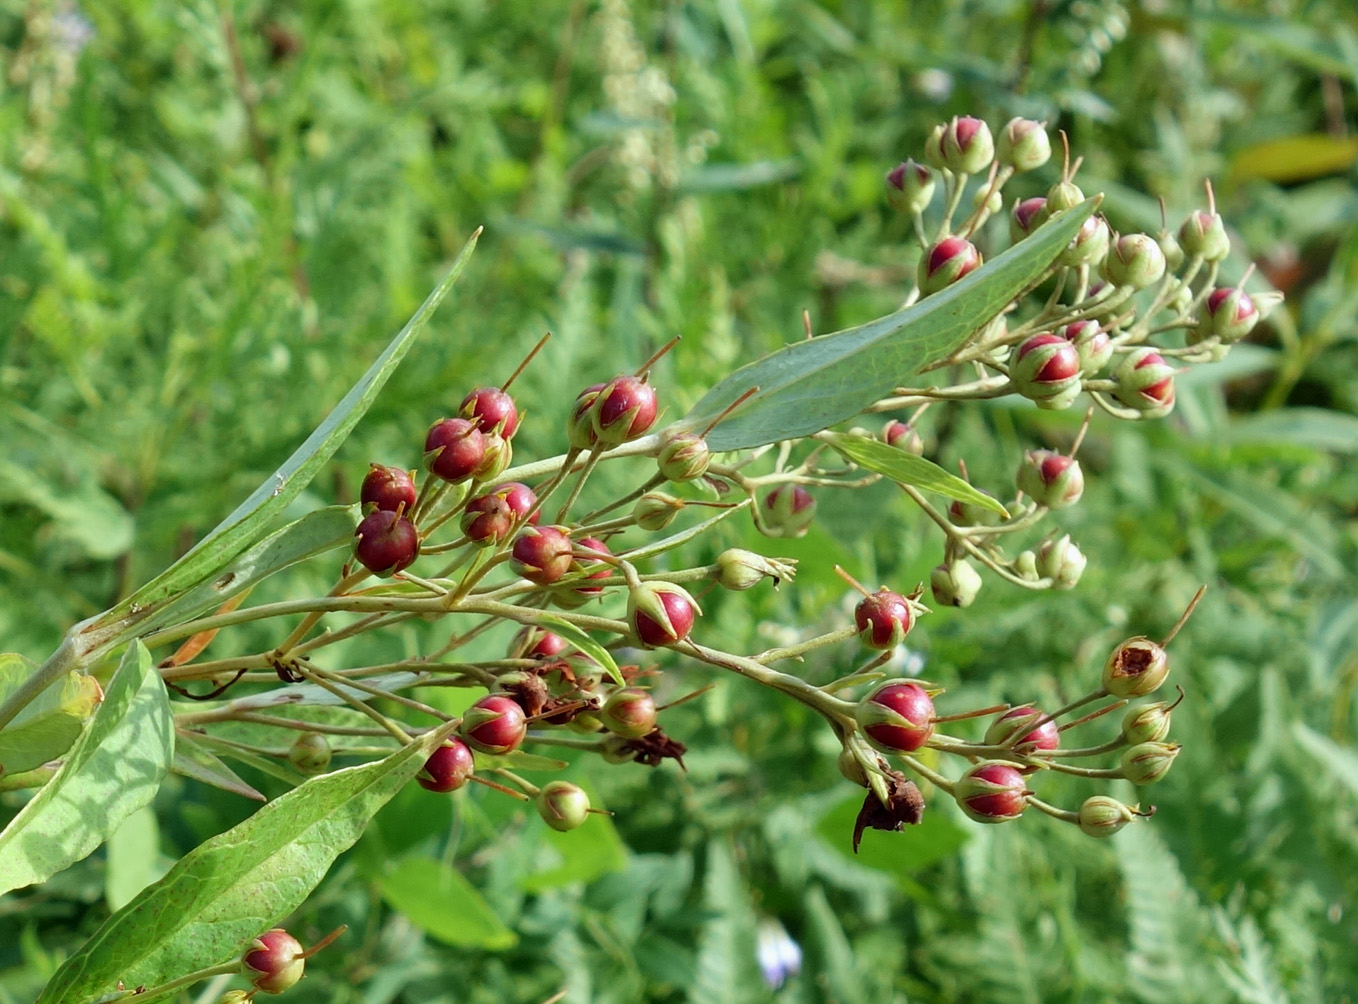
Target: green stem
[58,664]
[796,651]
[1064,815]
[324,604]
[833,708]
[933,777]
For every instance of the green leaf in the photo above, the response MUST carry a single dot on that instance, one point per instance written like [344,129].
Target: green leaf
[813,384]
[521,760]
[241,882]
[49,724]
[315,533]
[585,644]
[1294,158]
[908,469]
[829,942]
[242,528]
[133,853]
[726,971]
[84,516]
[440,901]
[578,856]
[113,770]
[737,177]
[193,761]
[1318,428]
[899,854]
[1340,762]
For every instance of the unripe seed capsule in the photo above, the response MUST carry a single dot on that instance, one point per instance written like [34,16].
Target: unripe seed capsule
[625,408]
[883,619]
[1050,479]
[910,187]
[1046,369]
[492,409]
[992,792]
[1229,314]
[1092,344]
[1145,383]
[1063,195]
[629,713]
[660,613]
[275,962]
[542,554]
[897,716]
[1148,723]
[562,805]
[903,436]
[1134,260]
[1147,763]
[1102,816]
[580,425]
[1026,217]
[1089,246]
[1023,144]
[955,584]
[387,488]
[656,510]
[788,511]
[454,449]
[684,457]
[487,520]
[448,768]
[386,543]
[1062,562]
[1203,235]
[966,145]
[1037,737]
[495,725]
[946,262]
[738,569]
[310,754]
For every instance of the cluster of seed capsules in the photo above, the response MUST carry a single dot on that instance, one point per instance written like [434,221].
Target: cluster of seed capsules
[899,718]
[1110,289]
[1108,296]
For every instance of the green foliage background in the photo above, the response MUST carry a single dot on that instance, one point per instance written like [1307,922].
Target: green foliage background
[197,259]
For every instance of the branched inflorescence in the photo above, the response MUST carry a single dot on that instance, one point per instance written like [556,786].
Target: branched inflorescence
[475,542]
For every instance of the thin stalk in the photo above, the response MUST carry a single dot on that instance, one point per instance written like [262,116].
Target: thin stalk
[833,708]
[392,727]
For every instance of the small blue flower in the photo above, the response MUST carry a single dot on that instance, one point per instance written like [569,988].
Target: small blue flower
[779,956]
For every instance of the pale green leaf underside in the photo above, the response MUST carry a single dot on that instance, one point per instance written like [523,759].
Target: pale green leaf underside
[239,883]
[813,384]
[113,769]
[908,469]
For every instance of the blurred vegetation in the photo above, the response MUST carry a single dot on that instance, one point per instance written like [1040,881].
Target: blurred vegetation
[212,216]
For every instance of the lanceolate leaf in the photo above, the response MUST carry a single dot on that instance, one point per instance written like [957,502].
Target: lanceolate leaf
[113,769]
[240,529]
[193,761]
[585,645]
[316,532]
[438,899]
[815,383]
[236,885]
[908,469]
